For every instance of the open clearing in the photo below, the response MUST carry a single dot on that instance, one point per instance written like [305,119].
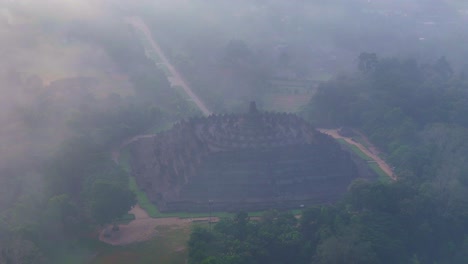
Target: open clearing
[144,227]
[168,245]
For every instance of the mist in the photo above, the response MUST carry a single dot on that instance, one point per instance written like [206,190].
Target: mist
[78,80]
[38,57]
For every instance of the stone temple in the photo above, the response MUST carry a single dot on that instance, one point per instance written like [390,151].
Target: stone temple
[252,161]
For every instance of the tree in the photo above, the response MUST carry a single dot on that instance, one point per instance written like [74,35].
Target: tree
[109,201]
[367,62]
[21,251]
[345,249]
[237,51]
[201,244]
[443,68]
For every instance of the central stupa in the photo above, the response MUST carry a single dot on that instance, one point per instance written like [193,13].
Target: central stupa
[252,161]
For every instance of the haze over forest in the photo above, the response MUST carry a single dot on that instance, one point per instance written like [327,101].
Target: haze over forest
[78,80]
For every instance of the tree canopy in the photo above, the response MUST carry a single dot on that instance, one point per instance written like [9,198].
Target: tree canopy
[413,113]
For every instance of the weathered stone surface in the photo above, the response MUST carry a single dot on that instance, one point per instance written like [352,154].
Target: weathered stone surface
[250,161]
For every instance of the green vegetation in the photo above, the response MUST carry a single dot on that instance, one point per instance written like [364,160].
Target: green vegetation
[165,69]
[237,240]
[125,219]
[81,188]
[383,176]
[355,149]
[193,108]
[361,141]
[284,102]
[110,201]
[159,128]
[142,199]
[154,56]
[375,223]
[181,91]
[413,112]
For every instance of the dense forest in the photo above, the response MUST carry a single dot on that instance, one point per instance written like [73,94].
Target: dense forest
[415,113]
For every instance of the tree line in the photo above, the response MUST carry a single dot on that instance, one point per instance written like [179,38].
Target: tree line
[80,188]
[415,113]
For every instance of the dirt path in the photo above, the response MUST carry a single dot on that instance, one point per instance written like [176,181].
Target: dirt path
[370,146]
[371,152]
[144,227]
[176,78]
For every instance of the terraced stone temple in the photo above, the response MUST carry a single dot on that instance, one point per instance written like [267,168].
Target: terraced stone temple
[252,161]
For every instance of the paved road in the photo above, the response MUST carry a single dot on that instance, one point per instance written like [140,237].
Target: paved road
[176,78]
[382,164]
